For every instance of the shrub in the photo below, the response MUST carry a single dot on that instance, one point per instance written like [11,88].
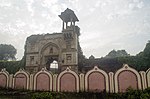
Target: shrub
[43,95]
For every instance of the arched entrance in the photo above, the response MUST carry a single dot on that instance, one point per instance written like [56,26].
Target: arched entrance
[54,66]
[51,59]
[49,53]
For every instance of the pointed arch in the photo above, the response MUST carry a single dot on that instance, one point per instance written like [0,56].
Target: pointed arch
[47,45]
[96,80]
[68,80]
[21,80]
[127,74]
[41,76]
[4,78]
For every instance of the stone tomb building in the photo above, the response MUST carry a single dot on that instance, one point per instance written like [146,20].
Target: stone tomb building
[42,50]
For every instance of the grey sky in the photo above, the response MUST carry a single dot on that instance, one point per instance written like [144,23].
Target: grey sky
[105,24]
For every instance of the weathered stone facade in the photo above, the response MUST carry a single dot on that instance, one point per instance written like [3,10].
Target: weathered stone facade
[42,50]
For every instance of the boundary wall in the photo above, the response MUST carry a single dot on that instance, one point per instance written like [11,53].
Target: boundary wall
[94,80]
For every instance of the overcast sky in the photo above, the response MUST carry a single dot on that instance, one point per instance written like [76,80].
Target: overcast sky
[105,24]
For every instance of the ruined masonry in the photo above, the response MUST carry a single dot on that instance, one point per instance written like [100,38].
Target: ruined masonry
[42,50]
[61,49]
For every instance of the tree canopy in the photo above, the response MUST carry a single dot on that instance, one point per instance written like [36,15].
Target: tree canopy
[118,53]
[146,52]
[91,57]
[115,59]
[7,52]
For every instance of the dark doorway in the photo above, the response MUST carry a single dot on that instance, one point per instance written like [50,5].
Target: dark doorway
[49,60]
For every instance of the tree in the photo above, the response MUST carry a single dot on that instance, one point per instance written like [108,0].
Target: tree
[81,58]
[7,52]
[91,57]
[111,54]
[144,56]
[141,61]
[118,53]
[146,51]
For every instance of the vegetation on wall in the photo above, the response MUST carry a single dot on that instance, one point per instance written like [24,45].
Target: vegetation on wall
[34,38]
[112,62]
[115,59]
[12,66]
[141,61]
[81,58]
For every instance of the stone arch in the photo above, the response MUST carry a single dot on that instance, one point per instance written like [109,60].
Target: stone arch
[4,78]
[68,81]
[96,80]
[21,80]
[148,77]
[46,57]
[43,80]
[128,75]
[47,45]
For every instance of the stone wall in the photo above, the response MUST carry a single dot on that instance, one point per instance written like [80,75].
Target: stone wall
[95,80]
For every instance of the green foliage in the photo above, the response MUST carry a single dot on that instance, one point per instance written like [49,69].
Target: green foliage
[141,61]
[91,57]
[146,51]
[49,95]
[12,66]
[81,58]
[7,52]
[145,55]
[115,59]
[43,95]
[129,94]
[137,94]
[118,53]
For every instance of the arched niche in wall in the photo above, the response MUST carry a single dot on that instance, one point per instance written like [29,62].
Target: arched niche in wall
[43,80]
[96,80]
[21,80]
[50,49]
[68,81]
[4,78]
[127,77]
